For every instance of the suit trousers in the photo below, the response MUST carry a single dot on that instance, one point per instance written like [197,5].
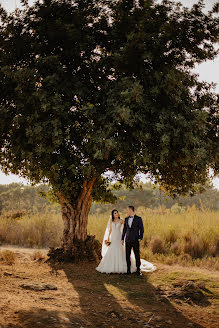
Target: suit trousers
[128,248]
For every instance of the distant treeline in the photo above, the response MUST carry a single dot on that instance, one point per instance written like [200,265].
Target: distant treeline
[18,197]
[153,198]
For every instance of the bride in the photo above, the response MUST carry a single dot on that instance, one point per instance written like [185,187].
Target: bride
[113,255]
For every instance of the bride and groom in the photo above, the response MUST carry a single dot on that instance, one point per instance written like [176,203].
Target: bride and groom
[120,257]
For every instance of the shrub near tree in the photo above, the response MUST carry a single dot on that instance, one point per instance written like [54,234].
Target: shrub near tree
[94,86]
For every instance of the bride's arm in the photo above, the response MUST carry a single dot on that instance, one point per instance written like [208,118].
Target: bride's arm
[110,230]
[122,221]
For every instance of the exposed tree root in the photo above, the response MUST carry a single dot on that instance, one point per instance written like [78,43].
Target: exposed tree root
[89,250]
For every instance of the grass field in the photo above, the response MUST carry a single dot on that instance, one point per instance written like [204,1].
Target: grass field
[188,238]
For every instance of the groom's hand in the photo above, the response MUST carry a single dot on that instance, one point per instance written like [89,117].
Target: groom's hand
[122,242]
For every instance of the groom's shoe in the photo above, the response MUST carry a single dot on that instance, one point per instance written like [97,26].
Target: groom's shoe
[139,273]
[128,271]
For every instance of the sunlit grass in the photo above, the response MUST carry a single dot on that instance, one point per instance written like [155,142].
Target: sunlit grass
[7,257]
[188,238]
[36,230]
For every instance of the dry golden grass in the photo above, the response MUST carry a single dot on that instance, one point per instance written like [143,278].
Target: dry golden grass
[157,245]
[7,257]
[32,231]
[189,238]
[37,255]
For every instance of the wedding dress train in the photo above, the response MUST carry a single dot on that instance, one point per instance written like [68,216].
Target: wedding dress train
[114,257]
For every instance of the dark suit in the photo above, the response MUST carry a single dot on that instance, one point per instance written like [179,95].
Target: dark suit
[133,235]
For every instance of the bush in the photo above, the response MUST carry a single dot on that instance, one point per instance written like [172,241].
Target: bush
[214,247]
[176,248]
[171,236]
[157,246]
[177,209]
[7,257]
[195,247]
[15,214]
[37,256]
[184,258]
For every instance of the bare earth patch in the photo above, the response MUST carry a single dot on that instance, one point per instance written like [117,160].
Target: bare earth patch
[37,294]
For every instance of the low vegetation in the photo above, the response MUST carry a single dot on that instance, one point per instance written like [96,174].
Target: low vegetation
[187,238]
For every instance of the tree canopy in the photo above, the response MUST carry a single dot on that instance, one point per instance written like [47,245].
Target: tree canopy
[94,86]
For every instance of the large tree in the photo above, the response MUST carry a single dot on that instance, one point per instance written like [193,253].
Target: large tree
[94,86]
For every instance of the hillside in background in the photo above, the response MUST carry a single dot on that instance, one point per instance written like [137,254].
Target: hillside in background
[18,197]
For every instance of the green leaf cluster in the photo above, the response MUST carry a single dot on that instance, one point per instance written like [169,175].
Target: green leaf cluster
[94,86]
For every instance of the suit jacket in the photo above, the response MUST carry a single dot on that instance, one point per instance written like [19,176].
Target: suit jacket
[135,232]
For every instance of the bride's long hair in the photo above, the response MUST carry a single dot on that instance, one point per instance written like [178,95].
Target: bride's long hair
[112,216]
[106,233]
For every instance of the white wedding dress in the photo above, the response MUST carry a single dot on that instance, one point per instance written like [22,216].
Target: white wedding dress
[114,257]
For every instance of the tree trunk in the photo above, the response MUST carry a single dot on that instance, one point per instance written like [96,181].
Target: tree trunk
[75,216]
[76,244]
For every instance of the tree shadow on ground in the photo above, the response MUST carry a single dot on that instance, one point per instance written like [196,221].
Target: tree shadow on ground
[103,300]
[112,299]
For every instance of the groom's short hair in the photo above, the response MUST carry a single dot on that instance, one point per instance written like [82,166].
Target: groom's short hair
[132,207]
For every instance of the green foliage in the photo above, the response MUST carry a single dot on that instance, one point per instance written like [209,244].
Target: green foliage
[177,209]
[17,197]
[92,86]
[149,196]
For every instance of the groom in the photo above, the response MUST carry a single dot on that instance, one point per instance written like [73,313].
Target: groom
[134,230]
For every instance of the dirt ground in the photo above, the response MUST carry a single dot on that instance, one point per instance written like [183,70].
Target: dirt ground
[87,298]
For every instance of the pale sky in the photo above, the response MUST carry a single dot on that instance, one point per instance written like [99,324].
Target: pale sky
[208,71]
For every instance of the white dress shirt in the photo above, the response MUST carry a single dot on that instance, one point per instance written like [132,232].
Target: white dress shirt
[130,220]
